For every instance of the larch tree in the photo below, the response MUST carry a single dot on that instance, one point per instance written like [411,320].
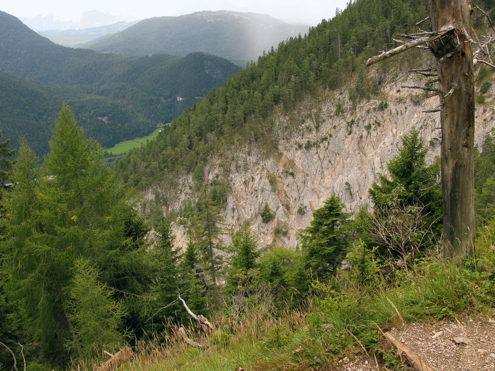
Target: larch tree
[65,210]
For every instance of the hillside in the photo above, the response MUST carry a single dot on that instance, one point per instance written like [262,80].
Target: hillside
[28,110]
[238,37]
[305,122]
[146,88]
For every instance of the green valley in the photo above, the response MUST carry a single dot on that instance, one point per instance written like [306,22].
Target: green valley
[125,147]
[149,91]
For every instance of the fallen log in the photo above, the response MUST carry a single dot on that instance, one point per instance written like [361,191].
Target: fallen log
[122,356]
[412,358]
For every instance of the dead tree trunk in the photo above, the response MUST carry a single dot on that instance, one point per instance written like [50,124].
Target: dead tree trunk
[454,56]
[450,42]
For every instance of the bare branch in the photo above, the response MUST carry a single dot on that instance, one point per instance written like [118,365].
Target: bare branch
[424,73]
[422,21]
[486,15]
[201,319]
[432,110]
[414,35]
[420,87]
[22,354]
[451,91]
[418,363]
[107,354]
[485,62]
[162,308]
[14,366]
[400,49]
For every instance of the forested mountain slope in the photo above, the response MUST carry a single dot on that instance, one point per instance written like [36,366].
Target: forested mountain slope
[306,121]
[239,37]
[28,110]
[146,88]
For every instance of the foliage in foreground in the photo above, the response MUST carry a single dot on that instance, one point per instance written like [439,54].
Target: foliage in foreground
[354,305]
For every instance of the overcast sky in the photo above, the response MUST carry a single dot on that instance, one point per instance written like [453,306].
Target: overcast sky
[140,9]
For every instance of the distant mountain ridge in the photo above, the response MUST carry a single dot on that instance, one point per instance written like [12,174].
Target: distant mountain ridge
[89,19]
[238,37]
[75,37]
[145,88]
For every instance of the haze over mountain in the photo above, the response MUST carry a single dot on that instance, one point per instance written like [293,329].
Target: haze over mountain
[89,19]
[73,37]
[147,87]
[239,37]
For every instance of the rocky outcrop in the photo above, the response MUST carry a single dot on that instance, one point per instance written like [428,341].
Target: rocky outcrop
[328,147]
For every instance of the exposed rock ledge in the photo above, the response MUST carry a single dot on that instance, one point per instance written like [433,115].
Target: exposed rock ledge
[343,157]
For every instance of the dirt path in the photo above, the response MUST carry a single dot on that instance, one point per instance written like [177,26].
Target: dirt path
[466,344]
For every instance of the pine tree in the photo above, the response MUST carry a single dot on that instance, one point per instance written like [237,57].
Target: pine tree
[485,181]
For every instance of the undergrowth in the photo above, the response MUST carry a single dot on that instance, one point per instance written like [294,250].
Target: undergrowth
[343,317]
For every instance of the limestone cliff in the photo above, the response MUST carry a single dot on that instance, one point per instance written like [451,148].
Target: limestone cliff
[326,147]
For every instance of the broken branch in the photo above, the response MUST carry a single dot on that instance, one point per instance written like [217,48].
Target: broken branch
[486,15]
[201,319]
[22,354]
[422,21]
[420,87]
[14,366]
[400,49]
[162,308]
[485,62]
[413,359]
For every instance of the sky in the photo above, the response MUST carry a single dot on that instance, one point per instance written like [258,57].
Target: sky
[313,10]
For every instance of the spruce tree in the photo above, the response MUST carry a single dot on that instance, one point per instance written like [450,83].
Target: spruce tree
[244,259]
[485,181]
[411,183]
[194,286]
[417,181]
[168,277]
[324,242]
[207,228]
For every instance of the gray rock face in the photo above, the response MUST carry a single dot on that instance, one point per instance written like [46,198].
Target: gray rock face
[343,157]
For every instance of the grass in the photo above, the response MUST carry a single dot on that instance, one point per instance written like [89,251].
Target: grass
[343,317]
[125,147]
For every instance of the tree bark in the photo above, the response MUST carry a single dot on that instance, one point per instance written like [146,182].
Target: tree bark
[455,70]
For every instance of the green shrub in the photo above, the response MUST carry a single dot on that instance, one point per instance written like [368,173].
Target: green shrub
[485,87]
[266,214]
